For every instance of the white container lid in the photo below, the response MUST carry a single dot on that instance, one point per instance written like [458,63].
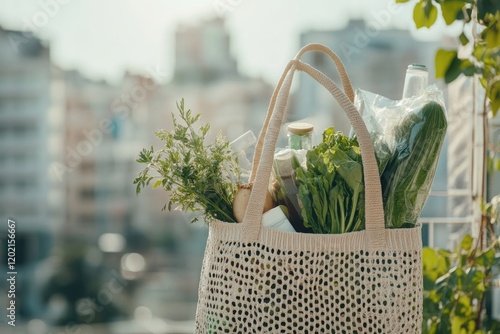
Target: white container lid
[419,67]
[300,128]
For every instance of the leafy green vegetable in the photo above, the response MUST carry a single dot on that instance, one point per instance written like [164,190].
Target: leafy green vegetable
[331,189]
[197,174]
[407,178]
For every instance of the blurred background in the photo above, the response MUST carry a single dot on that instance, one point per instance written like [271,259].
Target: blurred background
[84,84]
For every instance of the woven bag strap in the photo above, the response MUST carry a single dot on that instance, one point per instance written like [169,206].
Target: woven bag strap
[374,213]
[344,78]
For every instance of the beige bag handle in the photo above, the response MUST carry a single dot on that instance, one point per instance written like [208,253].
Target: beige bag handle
[375,224]
[344,78]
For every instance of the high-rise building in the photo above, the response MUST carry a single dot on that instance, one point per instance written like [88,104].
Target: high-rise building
[202,53]
[30,135]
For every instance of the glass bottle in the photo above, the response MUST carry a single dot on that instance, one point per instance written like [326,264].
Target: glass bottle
[416,80]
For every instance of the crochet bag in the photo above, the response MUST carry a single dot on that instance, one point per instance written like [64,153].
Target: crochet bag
[260,280]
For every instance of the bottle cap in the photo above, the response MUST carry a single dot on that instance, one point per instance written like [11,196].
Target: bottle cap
[419,67]
[300,128]
[243,142]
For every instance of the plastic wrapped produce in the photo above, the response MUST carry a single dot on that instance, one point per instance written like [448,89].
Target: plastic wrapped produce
[407,135]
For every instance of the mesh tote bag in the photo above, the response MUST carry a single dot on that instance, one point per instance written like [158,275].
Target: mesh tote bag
[260,280]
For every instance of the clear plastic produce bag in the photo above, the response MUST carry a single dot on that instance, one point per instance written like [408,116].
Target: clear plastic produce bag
[407,136]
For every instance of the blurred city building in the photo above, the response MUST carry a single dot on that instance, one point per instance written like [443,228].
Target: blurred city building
[202,53]
[100,151]
[30,139]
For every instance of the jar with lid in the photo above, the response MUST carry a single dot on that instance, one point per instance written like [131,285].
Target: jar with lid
[300,136]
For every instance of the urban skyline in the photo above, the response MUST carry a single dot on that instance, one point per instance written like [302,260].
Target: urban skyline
[138,47]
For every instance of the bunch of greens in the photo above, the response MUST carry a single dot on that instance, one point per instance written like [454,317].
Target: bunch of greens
[331,189]
[197,174]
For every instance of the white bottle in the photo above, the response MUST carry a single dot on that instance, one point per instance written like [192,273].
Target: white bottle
[276,219]
[416,80]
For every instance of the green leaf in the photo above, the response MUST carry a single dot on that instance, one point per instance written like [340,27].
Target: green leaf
[443,61]
[424,14]
[474,282]
[483,82]
[157,184]
[494,96]
[444,325]
[464,40]
[492,35]
[454,70]
[434,264]
[464,308]
[456,325]
[449,67]
[444,252]
[402,1]
[428,283]
[466,243]
[430,258]
[467,67]
[496,163]
[450,10]
[487,258]
[454,281]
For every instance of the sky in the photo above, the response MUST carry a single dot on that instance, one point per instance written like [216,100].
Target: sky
[104,38]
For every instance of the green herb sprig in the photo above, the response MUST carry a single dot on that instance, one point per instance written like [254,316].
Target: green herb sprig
[198,175]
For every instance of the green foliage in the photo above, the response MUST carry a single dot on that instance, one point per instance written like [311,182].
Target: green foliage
[484,60]
[197,174]
[331,188]
[455,286]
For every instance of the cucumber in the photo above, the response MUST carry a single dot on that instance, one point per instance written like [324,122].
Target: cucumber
[407,178]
